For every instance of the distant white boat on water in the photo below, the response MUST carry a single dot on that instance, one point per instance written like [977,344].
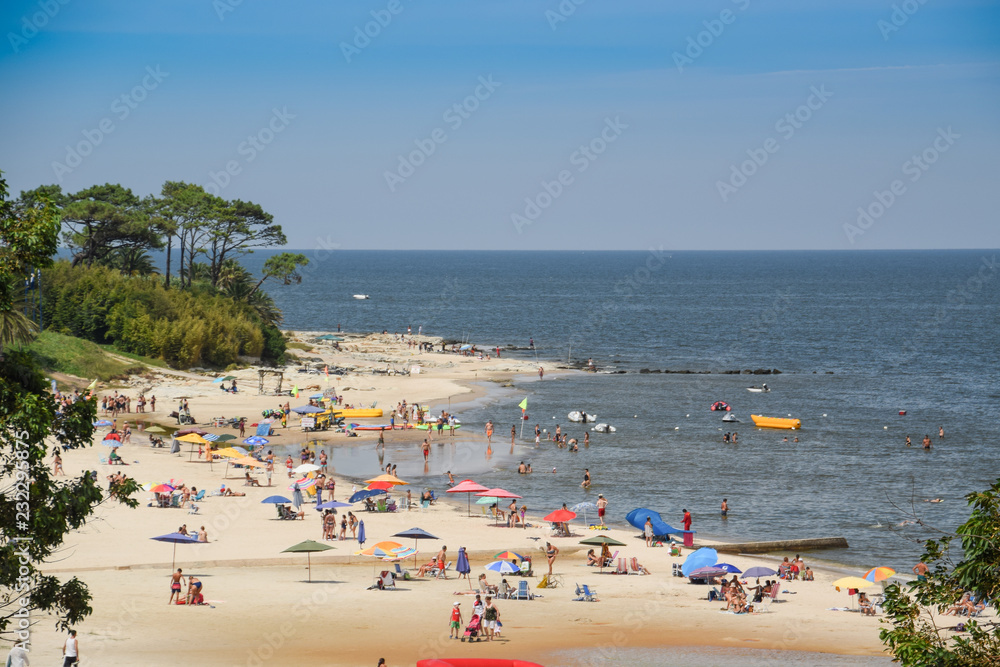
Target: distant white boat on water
[580,416]
[759,390]
[361,296]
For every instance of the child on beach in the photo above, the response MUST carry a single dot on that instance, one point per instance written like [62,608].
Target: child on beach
[289,464]
[456,620]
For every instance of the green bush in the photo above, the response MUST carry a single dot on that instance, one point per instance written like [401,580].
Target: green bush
[139,316]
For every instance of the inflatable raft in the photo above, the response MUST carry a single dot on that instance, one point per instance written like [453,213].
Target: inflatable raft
[433,426]
[381,427]
[358,413]
[775,422]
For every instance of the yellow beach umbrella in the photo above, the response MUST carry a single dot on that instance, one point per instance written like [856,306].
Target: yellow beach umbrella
[194,438]
[392,479]
[249,462]
[853,582]
[230,453]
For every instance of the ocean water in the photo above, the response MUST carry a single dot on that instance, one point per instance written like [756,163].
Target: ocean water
[858,337]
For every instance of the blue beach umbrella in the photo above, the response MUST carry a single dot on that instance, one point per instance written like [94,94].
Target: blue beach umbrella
[332,504]
[584,508]
[307,410]
[463,567]
[175,539]
[103,422]
[255,440]
[502,566]
[661,528]
[703,557]
[416,534]
[757,572]
[731,569]
[315,396]
[361,532]
[365,493]
[276,500]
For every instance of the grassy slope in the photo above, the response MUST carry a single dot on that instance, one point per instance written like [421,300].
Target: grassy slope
[75,356]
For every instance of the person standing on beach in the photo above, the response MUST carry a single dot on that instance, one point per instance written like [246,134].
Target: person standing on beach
[491,617]
[455,624]
[269,466]
[686,520]
[71,650]
[289,464]
[243,426]
[152,403]
[725,508]
[176,584]
[602,506]
[550,554]
[647,531]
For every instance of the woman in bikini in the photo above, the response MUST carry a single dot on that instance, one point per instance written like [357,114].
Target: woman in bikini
[550,553]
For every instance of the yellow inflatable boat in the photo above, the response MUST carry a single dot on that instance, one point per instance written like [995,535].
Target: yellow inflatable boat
[358,413]
[775,422]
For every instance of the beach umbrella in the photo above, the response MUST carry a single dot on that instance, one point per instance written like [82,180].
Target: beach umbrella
[707,572]
[276,500]
[103,422]
[469,487]
[255,440]
[304,483]
[486,501]
[113,436]
[661,528]
[508,555]
[465,347]
[365,493]
[757,572]
[230,453]
[392,479]
[241,450]
[560,516]
[380,550]
[225,437]
[380,486]
[403,553]
[703,557]
[296,495]
[852,582]
[502,566]
[497,493]
[162,488]
[175,538]
[583,508]
[188,431]
[306,468]
[193,438]
[211,437]
[731,569]
[879,573]
[249,462]
[308,548]
[307,410]
[361,532]
[416,534]
[600,541]
[155,429]
[315,396]
[462,565]
[332,504]
[227,378]
[108,442]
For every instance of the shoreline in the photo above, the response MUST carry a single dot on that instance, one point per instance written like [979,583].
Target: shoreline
[243,568]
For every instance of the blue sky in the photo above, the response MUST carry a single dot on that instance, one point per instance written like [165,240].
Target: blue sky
[675,166]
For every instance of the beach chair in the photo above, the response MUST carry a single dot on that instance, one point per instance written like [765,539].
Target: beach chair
[506,591]
[193,509]
[622,567]
[401,573]
[200,496]
[635,567]
[385,580]
[608,562]
[525,570]
[175,500]
[765,604]
[589,594]
[522,592]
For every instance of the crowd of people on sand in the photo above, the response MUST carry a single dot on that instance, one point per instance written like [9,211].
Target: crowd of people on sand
[117,404]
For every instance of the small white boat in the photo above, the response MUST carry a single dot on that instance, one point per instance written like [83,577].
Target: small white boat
[730,418]
[579,416]
[604,428]
[361,296]
[759,390]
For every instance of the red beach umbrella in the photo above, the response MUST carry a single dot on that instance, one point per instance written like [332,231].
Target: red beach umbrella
[469,487]
[560,516]
[498,493]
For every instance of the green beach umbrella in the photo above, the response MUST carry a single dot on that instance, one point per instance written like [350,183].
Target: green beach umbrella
[156,429]
[226,437]
[307,547]
[600,541]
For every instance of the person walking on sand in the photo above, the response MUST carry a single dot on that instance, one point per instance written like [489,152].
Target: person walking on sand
[550,554]
[491,616]
[602,506]
[57,466]
[647,531]
[176,584]
[455,624]
[71,650]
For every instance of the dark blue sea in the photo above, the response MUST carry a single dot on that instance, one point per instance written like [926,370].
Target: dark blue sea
[857,336]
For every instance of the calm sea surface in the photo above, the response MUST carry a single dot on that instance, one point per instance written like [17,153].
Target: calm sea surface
[858,337]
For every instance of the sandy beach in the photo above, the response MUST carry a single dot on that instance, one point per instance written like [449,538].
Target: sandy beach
[262,611]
